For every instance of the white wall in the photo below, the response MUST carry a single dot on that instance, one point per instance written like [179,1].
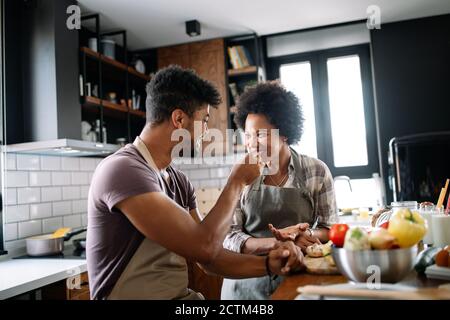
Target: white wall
[317,40]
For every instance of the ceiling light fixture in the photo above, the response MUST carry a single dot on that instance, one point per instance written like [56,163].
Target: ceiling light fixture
[193,28]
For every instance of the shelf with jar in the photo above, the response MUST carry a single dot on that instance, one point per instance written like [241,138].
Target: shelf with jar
[245,65]
[112,82]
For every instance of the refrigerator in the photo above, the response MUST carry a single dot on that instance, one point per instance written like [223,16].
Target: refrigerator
[419,166]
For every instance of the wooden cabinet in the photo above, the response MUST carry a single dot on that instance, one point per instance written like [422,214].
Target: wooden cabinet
[210,286]
[80,292]
[207,58]
[73,288]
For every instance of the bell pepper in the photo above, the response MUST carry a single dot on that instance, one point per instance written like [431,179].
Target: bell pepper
[408,227]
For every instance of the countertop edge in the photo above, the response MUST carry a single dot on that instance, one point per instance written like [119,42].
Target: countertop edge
[44,281]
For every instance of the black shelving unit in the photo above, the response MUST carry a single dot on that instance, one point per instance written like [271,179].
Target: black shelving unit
[110,75]
[245,76]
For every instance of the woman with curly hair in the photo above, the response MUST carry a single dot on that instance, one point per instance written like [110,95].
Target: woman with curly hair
[295,202]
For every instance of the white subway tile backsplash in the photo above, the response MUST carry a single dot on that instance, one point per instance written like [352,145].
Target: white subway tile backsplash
[50,163]
[223,182]
[11,161]
[72,221]
[17,213]
[198,174]
[51,224]
[213,183]
[84,219]
[11,196]
[16,179]
[28,195]
[70,193]
[44,193]
[40,179]
[61,178]
[30,228]
[79,178]
[62,208]
[10,231]
[221,172]
[51,194]
[40,210]
[70,164]
[15,245]
[79,206]
[27,162]
[195,183]
[88,164]
[84,192]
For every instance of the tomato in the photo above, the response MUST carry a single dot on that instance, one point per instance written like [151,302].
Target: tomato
[385,225]
[337,234]
[442,258]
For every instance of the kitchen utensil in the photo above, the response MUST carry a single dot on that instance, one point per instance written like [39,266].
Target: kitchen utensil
[112,97]
[61,232]
[109,48]
[48,245]
[139,66]
[88,89]
[358,265]
[93,44]
[121,142]
[79,244]
[416,294]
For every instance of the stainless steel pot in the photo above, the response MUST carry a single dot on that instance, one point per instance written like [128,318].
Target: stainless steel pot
[46,245]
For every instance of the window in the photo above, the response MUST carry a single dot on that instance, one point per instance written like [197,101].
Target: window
[335,89]
[348,130]
[297,78]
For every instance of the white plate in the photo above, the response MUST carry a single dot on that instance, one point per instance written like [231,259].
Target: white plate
[435,272]
[358,285]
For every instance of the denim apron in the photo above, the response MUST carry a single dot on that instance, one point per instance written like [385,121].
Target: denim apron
[279,206]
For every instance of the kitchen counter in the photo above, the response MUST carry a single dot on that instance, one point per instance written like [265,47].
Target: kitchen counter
[18,276]
[288,288]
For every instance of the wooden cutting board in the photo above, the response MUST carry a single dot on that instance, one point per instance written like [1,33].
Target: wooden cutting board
[319,266]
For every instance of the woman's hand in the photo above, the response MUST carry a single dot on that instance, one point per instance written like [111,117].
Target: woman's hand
[289,233]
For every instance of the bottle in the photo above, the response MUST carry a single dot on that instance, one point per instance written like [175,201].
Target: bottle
[98,136]
[81,83]
[105,140]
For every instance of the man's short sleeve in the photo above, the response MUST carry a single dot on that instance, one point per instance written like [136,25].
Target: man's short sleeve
[192,198]
[120,178]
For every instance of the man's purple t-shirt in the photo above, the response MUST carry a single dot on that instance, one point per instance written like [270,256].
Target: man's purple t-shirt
[112,239]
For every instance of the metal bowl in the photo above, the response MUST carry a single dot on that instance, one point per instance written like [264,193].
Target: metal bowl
[391,265]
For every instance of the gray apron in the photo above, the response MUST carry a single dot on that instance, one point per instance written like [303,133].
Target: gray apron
[281,207]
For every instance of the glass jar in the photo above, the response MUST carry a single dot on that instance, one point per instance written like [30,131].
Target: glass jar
[411,205]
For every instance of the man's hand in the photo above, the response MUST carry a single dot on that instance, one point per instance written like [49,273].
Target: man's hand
[246,171]
[305,240]
[285,257]
[288,233]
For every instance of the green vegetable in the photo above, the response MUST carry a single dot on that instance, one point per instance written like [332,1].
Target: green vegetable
[425,259]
